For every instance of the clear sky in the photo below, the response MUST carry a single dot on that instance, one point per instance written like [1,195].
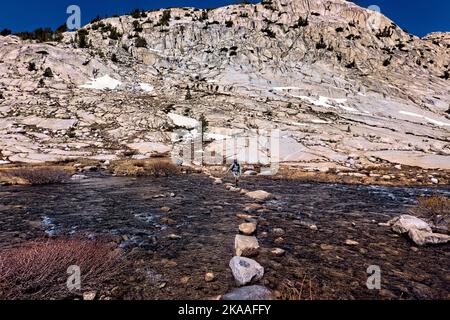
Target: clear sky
[418,17]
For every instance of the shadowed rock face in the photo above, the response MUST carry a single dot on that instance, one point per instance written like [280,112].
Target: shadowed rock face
[335,78]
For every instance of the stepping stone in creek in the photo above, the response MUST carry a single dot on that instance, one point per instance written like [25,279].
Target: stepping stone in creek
[247,228]
[246,246]
[249,293]
[246,270]
[260,195]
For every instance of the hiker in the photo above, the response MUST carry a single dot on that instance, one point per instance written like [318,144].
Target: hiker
[236,170]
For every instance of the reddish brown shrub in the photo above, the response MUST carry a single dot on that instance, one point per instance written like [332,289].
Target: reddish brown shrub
[40,175]
[38,269]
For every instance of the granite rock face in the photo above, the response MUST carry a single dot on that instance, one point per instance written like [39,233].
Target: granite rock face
[334,78]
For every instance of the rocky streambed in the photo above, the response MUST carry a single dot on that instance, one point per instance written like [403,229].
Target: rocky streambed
[176,230]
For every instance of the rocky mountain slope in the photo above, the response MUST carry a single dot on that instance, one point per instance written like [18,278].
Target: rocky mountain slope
[344,85]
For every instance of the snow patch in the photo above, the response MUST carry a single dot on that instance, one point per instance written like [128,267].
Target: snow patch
[183,121]
[285,88]
[145,87]
[415,115]
[105,82]
[327,102]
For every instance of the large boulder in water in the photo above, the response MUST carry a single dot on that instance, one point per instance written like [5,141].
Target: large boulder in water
[422,238]
[405,223]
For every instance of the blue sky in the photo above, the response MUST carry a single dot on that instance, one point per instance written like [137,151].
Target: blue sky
[418,17]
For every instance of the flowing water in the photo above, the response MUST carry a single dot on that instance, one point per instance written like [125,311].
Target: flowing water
[203,218]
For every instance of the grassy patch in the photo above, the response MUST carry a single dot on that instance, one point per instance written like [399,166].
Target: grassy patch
[35,175]
[158,167]
[435,209]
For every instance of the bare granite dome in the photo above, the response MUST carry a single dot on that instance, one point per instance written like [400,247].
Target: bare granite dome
[336,79]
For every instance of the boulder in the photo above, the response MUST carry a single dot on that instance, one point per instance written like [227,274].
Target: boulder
[405,223]
[260,195]
[250,173]
[246,246]
[245,270]
[249,293]
[422,238]
[248,228]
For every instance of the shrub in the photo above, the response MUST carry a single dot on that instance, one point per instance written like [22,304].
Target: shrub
[269,33]
[40,175]
[351,65]
[146,168]
[31,66]
[114,34]
[446,75]
[302,22]
[140,42]
[114,58]
[386,62]
[204,122]
[435,208]
[229,23]
[339,29]
[136,14]
[385,33]
[82,39]
[5,32]
[165,18]
[48,73]
[321,44]
[137,26]
[38,269]
[96,19]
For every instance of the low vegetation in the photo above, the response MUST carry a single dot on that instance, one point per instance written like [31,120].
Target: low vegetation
[39,269]
[157,167]
[140,42]
[35,175]
[435,209]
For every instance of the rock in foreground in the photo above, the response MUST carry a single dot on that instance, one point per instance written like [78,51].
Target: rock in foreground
[249,293]
[246,270]
[405,223]
[422,238]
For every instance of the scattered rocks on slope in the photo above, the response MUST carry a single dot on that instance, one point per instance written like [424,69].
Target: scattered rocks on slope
[246,270]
